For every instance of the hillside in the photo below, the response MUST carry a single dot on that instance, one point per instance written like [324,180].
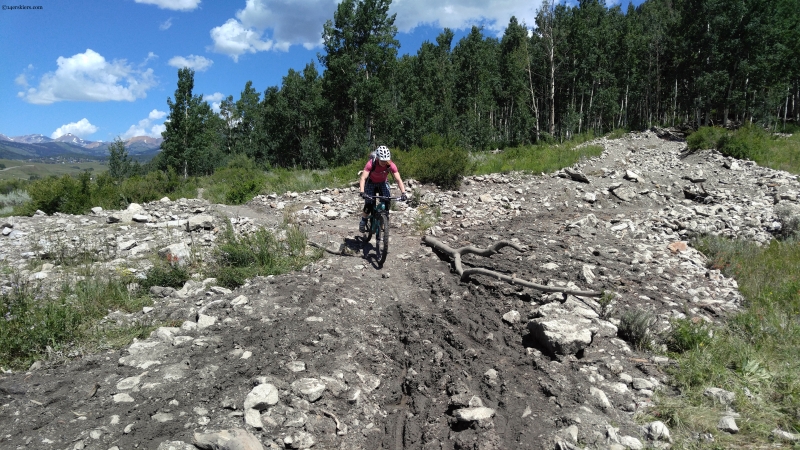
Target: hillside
[343,354]
[37,146]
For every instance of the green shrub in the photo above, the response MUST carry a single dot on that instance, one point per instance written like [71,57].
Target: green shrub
[237,183]
[749,142]
[634,327]
[705,138]
[238,258]
[687,335]
[439,161]
[165,275]
[32,323]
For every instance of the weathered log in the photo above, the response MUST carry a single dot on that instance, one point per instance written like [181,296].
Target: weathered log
[456,253]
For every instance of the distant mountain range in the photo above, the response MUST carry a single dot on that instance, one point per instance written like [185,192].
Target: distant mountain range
[37,146]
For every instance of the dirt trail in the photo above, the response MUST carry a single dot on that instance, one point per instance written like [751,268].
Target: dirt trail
[408,356]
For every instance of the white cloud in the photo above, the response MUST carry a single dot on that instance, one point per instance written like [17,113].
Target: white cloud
[178,5]
[233,39]
[81,128]
[215,100]
[198,63]
[21,80]
[165,25]
[146,127]
[299,22]
[493,14]
[89,77]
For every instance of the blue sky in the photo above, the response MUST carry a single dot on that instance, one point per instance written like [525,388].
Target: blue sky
[102,69]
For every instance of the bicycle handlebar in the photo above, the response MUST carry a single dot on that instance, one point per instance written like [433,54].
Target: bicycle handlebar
[380,197]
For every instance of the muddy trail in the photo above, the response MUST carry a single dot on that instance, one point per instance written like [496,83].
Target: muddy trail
[347,355]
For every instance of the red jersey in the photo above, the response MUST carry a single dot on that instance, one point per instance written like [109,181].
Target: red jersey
[379,173]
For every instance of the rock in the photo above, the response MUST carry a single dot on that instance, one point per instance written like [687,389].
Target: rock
[127,245]
[332,214]
[299,440]
[140,218]
[657,431]
[204,321]
[641,383]
[512,317]
[310,388]
[261,397]
[485,198]
[631,176]
[600,397]
[473,414]
[590,197]
[785,436]
[252,417]
[678,247]
[728,425]
[576,175]
[97,210]
[631,442]
[235,439]
[731,165]
[200,221]
[324,199]
[562,335]
[175,445]
[624,193]
[720,395]
[122,398]
[176,254]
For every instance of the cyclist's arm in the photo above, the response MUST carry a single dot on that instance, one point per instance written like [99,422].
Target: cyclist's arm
[364,175]
[399,180]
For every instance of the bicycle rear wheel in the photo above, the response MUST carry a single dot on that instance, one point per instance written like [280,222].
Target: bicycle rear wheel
[383,235]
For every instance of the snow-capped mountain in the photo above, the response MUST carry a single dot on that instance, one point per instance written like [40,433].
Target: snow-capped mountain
[37,146]
[31,139]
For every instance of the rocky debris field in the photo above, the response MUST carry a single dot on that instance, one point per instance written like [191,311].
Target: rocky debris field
[347,355]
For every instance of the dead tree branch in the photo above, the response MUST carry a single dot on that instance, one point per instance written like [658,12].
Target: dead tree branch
[456,253]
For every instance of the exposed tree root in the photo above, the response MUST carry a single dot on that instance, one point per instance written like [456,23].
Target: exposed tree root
[456,253]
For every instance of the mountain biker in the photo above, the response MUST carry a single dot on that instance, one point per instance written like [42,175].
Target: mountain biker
[374,176]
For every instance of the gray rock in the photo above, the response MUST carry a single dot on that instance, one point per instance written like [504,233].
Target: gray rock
[512,317]
[785,436]
[204,321]
[261,397]
[140,218]
[600,397]
[235,439]
[728,425]
[324,199]
[201,221]
[175,445]
[625,194]
[720,395]
[176,254]
[310,388]
[299,440]
[657,431]
[473,414]
[631,442]
[562,335]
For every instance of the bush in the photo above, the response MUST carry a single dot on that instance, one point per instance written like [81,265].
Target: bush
[439,161]
[789,218]
[237,183]
[687,335]
[262,253]
[634,327]
[748,142]
[165,275]
[705,138]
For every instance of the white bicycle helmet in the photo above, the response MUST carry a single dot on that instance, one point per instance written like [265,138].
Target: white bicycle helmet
[383,153]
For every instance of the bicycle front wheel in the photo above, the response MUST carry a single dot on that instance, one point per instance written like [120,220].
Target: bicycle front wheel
[383,236]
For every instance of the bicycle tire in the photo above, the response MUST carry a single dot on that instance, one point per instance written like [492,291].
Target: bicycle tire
[383,235]
[369,230]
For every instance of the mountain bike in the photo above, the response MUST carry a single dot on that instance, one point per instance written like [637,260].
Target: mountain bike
[378,224]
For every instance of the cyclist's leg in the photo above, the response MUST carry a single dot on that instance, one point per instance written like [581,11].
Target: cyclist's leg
[384,188]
